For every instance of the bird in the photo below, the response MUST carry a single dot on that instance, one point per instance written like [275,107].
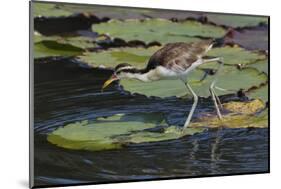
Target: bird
[174,61]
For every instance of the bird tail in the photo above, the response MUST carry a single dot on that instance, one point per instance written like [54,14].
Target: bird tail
[219,42]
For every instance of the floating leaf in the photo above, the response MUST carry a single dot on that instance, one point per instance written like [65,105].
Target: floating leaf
[259,93]
[137,57]
[230,78]
[77,41]
[237,20]
[114,132]
[53,48]
[49,10]
[170,133]
[120,130]
[160,30]
[261,65]
[250,107]
[129,13]
[234,56]
[97,135]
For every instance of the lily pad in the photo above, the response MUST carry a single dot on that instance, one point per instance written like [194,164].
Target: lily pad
[259,93]
[118,130]
[170,133]
[160,30]
[77,41]
[53,48]
[129,13]
[60,46]
[261,65]
[234,56]
[230,78]
[49,10]
[137,57]
[237,20]
[113,132]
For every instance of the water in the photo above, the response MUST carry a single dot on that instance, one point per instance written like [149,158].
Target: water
[65,92]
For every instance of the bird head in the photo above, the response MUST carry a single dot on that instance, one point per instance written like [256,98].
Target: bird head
[120,71]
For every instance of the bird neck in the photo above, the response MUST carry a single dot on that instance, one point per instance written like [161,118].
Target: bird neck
[139,74]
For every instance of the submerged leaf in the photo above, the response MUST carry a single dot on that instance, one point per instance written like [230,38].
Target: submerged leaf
[163,31]
[242,115]
[234,121]
[250,107]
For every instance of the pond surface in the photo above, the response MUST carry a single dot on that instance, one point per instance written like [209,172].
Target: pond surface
[66,92]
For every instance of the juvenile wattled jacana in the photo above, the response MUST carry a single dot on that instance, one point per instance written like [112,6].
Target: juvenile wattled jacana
[173,61]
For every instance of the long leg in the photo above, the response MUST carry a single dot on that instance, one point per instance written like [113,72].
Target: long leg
[211,89]
[218,99]
[214,97]
[195,99]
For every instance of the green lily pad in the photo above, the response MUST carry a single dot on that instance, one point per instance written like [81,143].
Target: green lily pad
[230,78]
[163,31]
[259,93]
[170,133]
[137,57]
[77,41]
[114,132]
[49,10]
[261,65]
[234,56]
[60,46]
[237,20]
[120,130]
[129,13]
[53,48]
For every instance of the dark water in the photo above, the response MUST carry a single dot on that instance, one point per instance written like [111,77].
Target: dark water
[66,92]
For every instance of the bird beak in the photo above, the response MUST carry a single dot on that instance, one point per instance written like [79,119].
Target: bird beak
[109,81]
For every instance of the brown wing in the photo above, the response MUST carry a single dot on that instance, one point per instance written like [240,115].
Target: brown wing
[178,56]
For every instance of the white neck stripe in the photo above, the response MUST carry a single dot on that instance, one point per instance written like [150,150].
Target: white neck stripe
[124,68]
